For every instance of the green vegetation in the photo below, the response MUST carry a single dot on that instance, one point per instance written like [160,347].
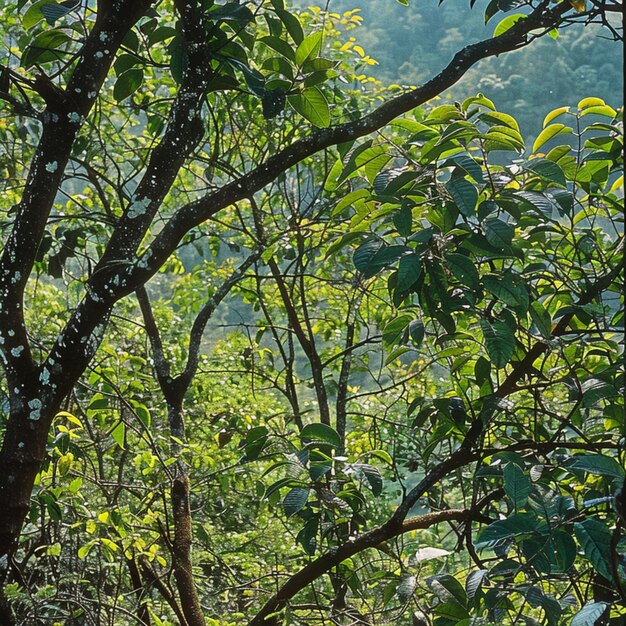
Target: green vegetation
[282,345]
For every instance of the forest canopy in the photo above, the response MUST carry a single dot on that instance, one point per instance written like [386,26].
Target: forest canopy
[288,341]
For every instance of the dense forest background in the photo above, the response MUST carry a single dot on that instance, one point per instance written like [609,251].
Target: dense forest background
[412,43]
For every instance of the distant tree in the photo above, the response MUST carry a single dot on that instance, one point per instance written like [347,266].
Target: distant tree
[128,125]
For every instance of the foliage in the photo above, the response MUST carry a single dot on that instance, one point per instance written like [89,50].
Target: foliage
[273,353]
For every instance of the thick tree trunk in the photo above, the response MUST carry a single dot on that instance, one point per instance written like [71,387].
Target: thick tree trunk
[23,450]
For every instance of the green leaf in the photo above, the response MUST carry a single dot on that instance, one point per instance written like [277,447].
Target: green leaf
[554,130]
[371,475]
[280,45]
[309,48]
[295,500]
[498,233]
[463,269]
[553,115]
[406,588]
[127,83]
[394,330]
[312,105]
[464,194]
[403,220]
[595,540]
[604,110]
[409,270]
[509,287]
[319,433]
[417,332]
[448,588]
[474,582]
[513,526]
[497,118]
[119,434]
[598,464]
[499,342]
[517,485]
[45,48]
[589,614]
[292,24]
[507,23]
[364,255]
[255,441]
[468,165]
[541,318]
[34,14]
[231,12]
[54,11]
[548,170]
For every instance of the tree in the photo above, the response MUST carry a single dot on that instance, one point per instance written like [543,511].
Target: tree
[169,70]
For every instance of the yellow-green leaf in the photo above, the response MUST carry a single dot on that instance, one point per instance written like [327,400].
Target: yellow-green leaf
[590,102]
[554,114]
[548,133]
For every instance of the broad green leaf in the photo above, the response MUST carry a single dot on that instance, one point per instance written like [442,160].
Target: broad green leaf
[409,270]
[595,540]
[546,169]
[319,433]
[309,48]
[127,83]
[255,441]
[403,220]
[604,110]
[280,45]
[394,330]
[498,233]
[448,588]
[479,99]
[512,526]
[292,24]
[452,613]
[54,11]
[34,14]
[497,118]
[406,588]
[417,332]
[371,475]
[549,132]
[463,269]
[507,23]
[509,287]
[231,12]
[598,464]
[537,201]
[499,342]
[45,48]
[311,104]
[503,138]
[383,455]
[589,614]
[119,434]
[469,166]
[592,101]
[363,256]
[474,582]
[517,485]
[553,115]
[541,318]
[464,194]
[295,500]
